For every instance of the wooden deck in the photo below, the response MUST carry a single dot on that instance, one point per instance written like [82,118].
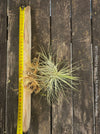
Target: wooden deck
[72,27]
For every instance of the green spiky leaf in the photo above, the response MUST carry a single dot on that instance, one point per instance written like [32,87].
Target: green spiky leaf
[55,78]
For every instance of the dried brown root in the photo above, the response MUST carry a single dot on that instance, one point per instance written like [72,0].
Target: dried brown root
[30,83]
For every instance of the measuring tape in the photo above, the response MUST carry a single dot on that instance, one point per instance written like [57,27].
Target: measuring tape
[21,68]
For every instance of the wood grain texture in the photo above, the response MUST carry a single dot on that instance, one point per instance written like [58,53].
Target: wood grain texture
[96,55]
[40,119]
[14,5]
[12,73]
[12,65]
[27,62]
[3,64]
[61,39]
[81,41]
[63,120]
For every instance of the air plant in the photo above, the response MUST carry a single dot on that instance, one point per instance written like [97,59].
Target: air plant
[54,78]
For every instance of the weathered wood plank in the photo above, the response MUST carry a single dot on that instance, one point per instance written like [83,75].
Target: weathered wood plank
[14,5]
[3,63]
[61,39]
[96,54]
[81,40]
[40,119]
[12,66]
[27,62]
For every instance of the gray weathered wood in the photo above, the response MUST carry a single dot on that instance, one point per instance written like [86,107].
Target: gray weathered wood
[40,119]
[61,39]
[3,63]
[40,109]
[96,57]
[81,41]
[63,120]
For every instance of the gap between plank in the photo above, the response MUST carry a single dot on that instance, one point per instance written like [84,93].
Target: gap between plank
[71,54]
[49,50]
[92,64]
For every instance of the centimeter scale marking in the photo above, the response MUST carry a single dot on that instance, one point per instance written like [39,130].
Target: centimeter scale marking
[21,68]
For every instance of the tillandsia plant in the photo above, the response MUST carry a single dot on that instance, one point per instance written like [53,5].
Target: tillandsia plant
[53,78]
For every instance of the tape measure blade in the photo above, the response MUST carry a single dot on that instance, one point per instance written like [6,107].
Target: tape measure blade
[21,61]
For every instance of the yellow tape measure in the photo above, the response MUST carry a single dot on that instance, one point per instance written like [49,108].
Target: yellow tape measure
[21,62]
